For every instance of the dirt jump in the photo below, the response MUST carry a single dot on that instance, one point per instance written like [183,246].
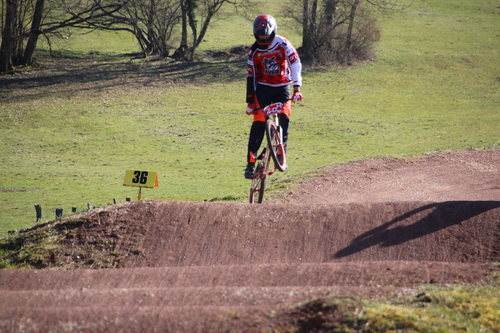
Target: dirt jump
[373,227]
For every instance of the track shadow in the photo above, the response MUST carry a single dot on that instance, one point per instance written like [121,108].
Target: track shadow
[440,216]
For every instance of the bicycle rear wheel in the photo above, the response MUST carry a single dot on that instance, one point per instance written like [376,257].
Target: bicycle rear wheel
[258,185]
[276,145]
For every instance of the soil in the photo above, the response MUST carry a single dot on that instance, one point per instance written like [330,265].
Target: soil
[371,228]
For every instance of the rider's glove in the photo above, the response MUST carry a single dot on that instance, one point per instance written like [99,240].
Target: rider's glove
[297,96]
[273,109]
[250,108]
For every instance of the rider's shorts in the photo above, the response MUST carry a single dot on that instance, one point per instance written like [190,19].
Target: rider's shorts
[267,95]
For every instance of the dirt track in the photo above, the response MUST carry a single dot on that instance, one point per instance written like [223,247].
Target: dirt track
[373,227]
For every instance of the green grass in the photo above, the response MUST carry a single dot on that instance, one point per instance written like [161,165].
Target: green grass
[67,139]
[431,309]
[454,308]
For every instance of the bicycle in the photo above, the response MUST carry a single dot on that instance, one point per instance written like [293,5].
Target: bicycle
[275,150]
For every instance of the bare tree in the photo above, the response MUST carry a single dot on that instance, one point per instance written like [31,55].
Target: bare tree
[337,30]
[187,17]
[33,33]
[8,31]
[26,20]
[205,10]
[151,21]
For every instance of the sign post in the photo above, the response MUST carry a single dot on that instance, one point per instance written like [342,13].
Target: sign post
[140,179]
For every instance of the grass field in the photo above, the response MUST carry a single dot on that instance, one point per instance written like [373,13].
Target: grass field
[70,132]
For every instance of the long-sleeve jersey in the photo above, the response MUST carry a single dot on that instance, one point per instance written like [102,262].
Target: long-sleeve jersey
[277,66]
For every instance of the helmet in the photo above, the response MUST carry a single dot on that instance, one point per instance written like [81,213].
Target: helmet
[264,26]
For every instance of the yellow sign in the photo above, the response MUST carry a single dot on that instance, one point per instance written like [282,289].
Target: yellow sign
[139,178]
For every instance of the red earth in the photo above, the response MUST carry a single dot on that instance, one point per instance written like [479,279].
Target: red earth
[375,228]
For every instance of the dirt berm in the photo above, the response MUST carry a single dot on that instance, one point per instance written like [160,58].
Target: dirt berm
[213,267]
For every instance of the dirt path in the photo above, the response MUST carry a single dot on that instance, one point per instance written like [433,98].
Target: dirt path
[445,176]
[374,227]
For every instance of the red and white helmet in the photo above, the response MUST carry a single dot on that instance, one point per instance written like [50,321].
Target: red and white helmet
[264,30]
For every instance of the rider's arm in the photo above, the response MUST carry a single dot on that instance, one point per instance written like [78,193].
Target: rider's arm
[251,76]
[250,89]
[296,68]
[293,59]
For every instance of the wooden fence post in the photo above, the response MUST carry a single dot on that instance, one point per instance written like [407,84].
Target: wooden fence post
[38,210]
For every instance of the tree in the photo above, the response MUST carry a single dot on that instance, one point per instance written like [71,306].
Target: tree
[339,31]
[152,22]
[21,14]
[205,10]
[187,16]
[33,33]
[8,31]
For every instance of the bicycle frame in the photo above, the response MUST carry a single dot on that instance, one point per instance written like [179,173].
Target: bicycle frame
[262,170]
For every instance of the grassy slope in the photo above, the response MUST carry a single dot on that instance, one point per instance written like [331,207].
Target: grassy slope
[435,86]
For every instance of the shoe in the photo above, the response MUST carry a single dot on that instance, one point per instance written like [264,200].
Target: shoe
[249,171]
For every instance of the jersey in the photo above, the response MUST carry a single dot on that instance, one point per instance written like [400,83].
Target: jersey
[277,66]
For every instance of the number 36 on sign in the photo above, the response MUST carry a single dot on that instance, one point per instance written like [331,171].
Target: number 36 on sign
[139,178]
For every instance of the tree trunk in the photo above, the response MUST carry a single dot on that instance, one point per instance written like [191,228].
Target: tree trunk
[181,51]
[309,27]
[153,46]
[305,25]
[7,36]
[34,33]
[351,24]
[191,6]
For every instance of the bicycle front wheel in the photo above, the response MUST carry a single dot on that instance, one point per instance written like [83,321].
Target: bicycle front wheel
[276,145]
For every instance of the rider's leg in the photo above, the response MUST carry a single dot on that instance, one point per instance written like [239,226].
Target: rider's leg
[257,132]
[284,124]
[284,117]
